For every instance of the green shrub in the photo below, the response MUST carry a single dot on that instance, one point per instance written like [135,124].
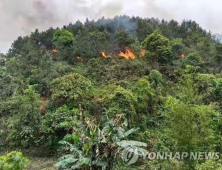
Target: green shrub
[120,100]
[25,123]
[210,165]
[13,161]
[71,88]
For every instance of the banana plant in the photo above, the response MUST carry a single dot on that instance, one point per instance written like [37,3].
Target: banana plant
[97,146]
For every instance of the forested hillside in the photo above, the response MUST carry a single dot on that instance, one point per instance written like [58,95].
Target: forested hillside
[88,89]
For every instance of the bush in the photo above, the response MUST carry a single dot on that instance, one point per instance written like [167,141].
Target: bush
[71,88]
[159,47]
[120,100]
[210,164]
[25,123]
[57,122]
[62,38]
[144,94]
[13,161]
[155,78]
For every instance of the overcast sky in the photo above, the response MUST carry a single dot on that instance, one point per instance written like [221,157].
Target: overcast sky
[20,17]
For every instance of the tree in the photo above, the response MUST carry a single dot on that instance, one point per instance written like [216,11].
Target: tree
[120,100]
[24,125]
[193,59]
[62,38]
[123,38]
[159,47]
[144,94]
[2,60]
[178,48]
[156,78]
[189,123]
[89,44]
[56,124]
[63,42]
[71,88]
[218,57]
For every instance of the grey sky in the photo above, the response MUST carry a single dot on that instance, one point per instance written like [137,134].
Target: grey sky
[20,17]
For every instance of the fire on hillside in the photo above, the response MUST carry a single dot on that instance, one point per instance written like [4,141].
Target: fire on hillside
[128,54]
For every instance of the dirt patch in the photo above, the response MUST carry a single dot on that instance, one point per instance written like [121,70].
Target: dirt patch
[42,164]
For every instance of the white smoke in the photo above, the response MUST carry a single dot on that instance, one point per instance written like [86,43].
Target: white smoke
[20,17]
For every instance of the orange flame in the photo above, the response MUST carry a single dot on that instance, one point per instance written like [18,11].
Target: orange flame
[128,54]
[182,56]
[143,53]
[103,55]
[54,50]
[80,58]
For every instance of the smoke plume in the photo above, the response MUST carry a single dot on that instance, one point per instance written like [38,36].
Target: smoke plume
[20,17]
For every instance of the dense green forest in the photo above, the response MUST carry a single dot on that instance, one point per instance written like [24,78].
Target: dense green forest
[83,92]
